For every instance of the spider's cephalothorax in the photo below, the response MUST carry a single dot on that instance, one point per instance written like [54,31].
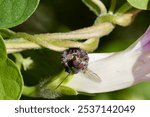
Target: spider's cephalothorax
[74,60]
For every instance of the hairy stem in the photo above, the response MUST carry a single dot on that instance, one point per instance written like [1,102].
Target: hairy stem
[20,44]
[98,30]
[40,41]
[58,42]
[61,41]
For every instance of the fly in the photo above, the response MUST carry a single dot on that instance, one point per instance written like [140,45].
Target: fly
[76,60]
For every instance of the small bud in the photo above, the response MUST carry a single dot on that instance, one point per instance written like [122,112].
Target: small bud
[124,20]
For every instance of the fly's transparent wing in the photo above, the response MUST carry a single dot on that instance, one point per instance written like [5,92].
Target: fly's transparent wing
[91,75]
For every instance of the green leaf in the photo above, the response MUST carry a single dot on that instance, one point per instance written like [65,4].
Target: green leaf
[15,12]
[11,83]
[3,55]
[140,4]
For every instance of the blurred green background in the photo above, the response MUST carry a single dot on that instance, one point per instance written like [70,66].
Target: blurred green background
[65,15]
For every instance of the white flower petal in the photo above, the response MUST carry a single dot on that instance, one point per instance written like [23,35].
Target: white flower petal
[117,70]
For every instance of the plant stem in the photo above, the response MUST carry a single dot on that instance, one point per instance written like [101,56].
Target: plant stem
[58,42]
[96,6]
[18,45]
[112,7]
[98,30]
[30,91]
[40,41]
[124,8]
[61,41]
[101,6]
[6,33]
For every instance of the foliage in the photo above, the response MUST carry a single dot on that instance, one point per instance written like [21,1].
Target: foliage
[37,57]
[15,12]
[140,4]
[11,83]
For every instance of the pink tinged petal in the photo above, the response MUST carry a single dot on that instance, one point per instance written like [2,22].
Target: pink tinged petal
[141,69]
[142,43]
[145,41]
[117,70]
